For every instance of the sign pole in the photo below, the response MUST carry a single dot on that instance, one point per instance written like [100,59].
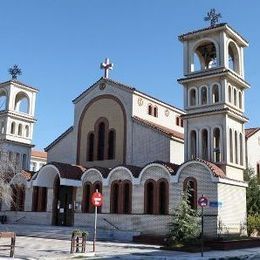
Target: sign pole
[202,231]
[95,231]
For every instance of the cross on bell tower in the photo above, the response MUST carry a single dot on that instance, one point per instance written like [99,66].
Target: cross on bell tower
[213,17]
[106,66]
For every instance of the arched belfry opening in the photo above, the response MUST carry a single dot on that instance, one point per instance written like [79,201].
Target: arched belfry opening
[233,57]
[204,56]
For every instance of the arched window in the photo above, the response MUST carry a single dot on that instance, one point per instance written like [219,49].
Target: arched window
[111,144]
[24,163]
[193,144]
[181,122]
[177,120]
[230,145]
[233,57]
[3,101]
[20,129]
[204,144]
[240,99]
[216,145]
[39,202]
[149,197]
[150,109]
[13,128]
[235,97]
[114,197]
[17,160]
[86,203]
[215,93]
[101,141]
[18,196]
[90,154]
[229,94]
[206,54]
[163,196]
[193,98]
[236,147]
[190,189]
[127,197]
[204,95]
[22,103]
[241,149]
[155,111]
[27,131]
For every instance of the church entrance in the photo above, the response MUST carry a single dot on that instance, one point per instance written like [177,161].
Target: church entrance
[63,210]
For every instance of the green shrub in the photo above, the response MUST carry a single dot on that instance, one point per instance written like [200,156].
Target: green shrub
[253,223]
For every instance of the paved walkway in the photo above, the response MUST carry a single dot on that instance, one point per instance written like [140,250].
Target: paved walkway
[45,248]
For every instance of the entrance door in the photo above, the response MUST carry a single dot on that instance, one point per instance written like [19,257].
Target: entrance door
[63,211]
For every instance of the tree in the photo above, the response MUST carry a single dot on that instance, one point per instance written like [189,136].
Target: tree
[9,167]
[253,192]
[184,226]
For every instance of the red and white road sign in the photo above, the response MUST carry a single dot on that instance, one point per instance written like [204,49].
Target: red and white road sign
[97,199]
[203,201]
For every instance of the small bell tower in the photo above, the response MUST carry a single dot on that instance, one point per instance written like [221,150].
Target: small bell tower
[214,85]
[17,110]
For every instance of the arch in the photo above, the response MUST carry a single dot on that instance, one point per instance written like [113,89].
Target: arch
[82,117]
[190,188]
[127,197]
[22,103]
[92,175]
[114,197]
[119,173]
[235,96]
[241,146]
[101,141]
[233,57]
[155,111]
[204,95]
[90,148]
[229,94]
[236,147]
[27,131]
[13,126]
[240,99]
[149,196]
[163,196]
[204,144]
[111,144]
[193,144]
[150,109]
[20,129]
[216,144]
[231,145]
[215,93]
[207,51]
[3,100]
[193,97]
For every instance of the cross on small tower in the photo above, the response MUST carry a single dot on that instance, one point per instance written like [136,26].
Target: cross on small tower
[14,71]
[106,66]
[213,17]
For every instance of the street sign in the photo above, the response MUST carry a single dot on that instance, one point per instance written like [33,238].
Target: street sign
[203,201]
[97,199]
[215,204]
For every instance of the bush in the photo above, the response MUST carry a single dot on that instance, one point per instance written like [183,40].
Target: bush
[253,224]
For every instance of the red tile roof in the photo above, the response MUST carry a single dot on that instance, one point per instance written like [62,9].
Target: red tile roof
[165,130]
[217,172]
[251,131]
[39,154]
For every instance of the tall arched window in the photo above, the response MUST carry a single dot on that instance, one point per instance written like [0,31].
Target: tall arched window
[90,154]
[204,95]
[204,144]
[216,145]
[150,109]
[240,99]
[3,101]
[101,141]
[22,103]
[127,197]
[114,197]
[193,144]
[39,202]
[20,129]
[111,144]
[24,162]
[190,189]
[155,111]
[163,192]
[215,93]
[241,148]
[193,98]
[229,94]
[27,131]
[13,128]
[86,204]
[236,147]
[231,146]
[235,97]
[149,196]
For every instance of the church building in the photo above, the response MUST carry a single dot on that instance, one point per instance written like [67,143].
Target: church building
[142,153]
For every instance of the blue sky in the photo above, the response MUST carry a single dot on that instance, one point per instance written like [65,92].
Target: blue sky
[59,45]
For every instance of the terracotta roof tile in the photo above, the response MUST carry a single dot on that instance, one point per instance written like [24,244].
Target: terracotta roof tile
[171,167]
[27,174]
[165,130]
[217,172]
[40,154]
[251,131]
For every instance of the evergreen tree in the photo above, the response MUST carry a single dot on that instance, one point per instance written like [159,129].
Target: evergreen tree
[185,224]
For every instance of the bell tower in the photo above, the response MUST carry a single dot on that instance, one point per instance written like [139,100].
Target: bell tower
[214,86]
[17,109]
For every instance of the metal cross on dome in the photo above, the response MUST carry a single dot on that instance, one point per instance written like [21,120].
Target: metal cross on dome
[14,71]
[106,66]
[213,17]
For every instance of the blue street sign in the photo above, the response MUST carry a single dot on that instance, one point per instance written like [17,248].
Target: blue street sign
[215,204]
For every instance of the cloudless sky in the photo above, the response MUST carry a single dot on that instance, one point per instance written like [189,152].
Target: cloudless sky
[59,45]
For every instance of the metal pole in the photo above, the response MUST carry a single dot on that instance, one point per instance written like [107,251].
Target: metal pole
[202,232]
[95,231]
